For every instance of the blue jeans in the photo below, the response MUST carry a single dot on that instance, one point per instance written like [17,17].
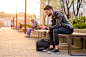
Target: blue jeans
[57,31]
[29,30]
[18,28]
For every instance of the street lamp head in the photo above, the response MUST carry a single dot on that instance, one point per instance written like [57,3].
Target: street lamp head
[16,4]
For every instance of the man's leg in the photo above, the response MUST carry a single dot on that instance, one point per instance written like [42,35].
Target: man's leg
[17,28]
[61,30]
[51,41]
[56,36]
[51,38]
[28,31]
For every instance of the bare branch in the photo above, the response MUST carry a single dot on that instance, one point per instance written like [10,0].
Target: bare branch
[78,7]
[71,3]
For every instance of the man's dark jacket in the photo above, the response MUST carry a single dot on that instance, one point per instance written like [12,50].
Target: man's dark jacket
[59,20]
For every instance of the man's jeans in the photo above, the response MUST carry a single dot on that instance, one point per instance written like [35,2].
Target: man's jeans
[29,30]
[55,32]
[18,28]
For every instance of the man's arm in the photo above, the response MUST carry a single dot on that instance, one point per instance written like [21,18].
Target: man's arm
[42,27]
[58,21]
[34,26]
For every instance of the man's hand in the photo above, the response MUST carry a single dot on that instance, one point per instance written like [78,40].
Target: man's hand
[42,27]
[48,28]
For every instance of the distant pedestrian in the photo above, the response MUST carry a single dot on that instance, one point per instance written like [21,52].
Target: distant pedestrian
[11,24]
[19,25]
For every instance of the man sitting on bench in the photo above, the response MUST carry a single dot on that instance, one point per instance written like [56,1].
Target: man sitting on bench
[34,27]
[60,25]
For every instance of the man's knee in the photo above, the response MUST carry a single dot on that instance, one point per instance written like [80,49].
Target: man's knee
[56,31]
[29,29]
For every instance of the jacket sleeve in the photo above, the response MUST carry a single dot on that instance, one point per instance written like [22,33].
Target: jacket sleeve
[58,21]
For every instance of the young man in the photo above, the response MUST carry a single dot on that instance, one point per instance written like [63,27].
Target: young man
[34,27]
[60,25]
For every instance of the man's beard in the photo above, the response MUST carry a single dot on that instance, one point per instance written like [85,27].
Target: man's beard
[49,14]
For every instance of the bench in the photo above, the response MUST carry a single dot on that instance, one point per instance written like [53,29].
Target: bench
[34,35]
[40,31]
[22,30]
[70,36]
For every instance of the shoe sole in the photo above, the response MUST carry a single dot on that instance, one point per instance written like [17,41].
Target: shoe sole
[44,50]
[53,52]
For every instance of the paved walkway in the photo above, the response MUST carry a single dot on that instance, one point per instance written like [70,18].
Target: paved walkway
[14,44]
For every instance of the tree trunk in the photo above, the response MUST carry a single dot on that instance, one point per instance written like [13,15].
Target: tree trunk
[68,6]
[78,7]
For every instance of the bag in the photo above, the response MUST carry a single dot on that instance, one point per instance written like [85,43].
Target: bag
[42,44]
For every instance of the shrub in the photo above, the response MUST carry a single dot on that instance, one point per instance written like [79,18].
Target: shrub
[47,25]
[79,26]
[78,20]
[27,25]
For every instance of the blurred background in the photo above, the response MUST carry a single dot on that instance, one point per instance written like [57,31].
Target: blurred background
[12,10]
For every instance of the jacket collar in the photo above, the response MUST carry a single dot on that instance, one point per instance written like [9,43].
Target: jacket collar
[53,14]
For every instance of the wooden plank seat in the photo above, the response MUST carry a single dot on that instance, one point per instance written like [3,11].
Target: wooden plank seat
[73,35]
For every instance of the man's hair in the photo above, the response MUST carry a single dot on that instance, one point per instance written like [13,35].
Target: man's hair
[32,19]
[48,7]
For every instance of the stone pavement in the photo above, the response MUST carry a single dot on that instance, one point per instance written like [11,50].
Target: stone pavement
[14,44]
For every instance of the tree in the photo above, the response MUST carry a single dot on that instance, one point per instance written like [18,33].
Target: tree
[55,4]
[66,5]
[77,7]
[43,3]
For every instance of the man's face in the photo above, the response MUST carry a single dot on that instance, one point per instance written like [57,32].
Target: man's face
[48,12]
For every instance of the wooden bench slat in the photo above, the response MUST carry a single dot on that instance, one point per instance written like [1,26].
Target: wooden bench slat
[74,35]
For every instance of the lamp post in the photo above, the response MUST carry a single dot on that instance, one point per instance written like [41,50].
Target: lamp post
[48,17]
[16,15]
[13,22]
[25,17]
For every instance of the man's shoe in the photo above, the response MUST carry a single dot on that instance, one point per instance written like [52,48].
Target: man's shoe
[53,51]
[48,49]
[30,36]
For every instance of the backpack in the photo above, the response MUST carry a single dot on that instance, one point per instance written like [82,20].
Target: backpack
[42,44]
